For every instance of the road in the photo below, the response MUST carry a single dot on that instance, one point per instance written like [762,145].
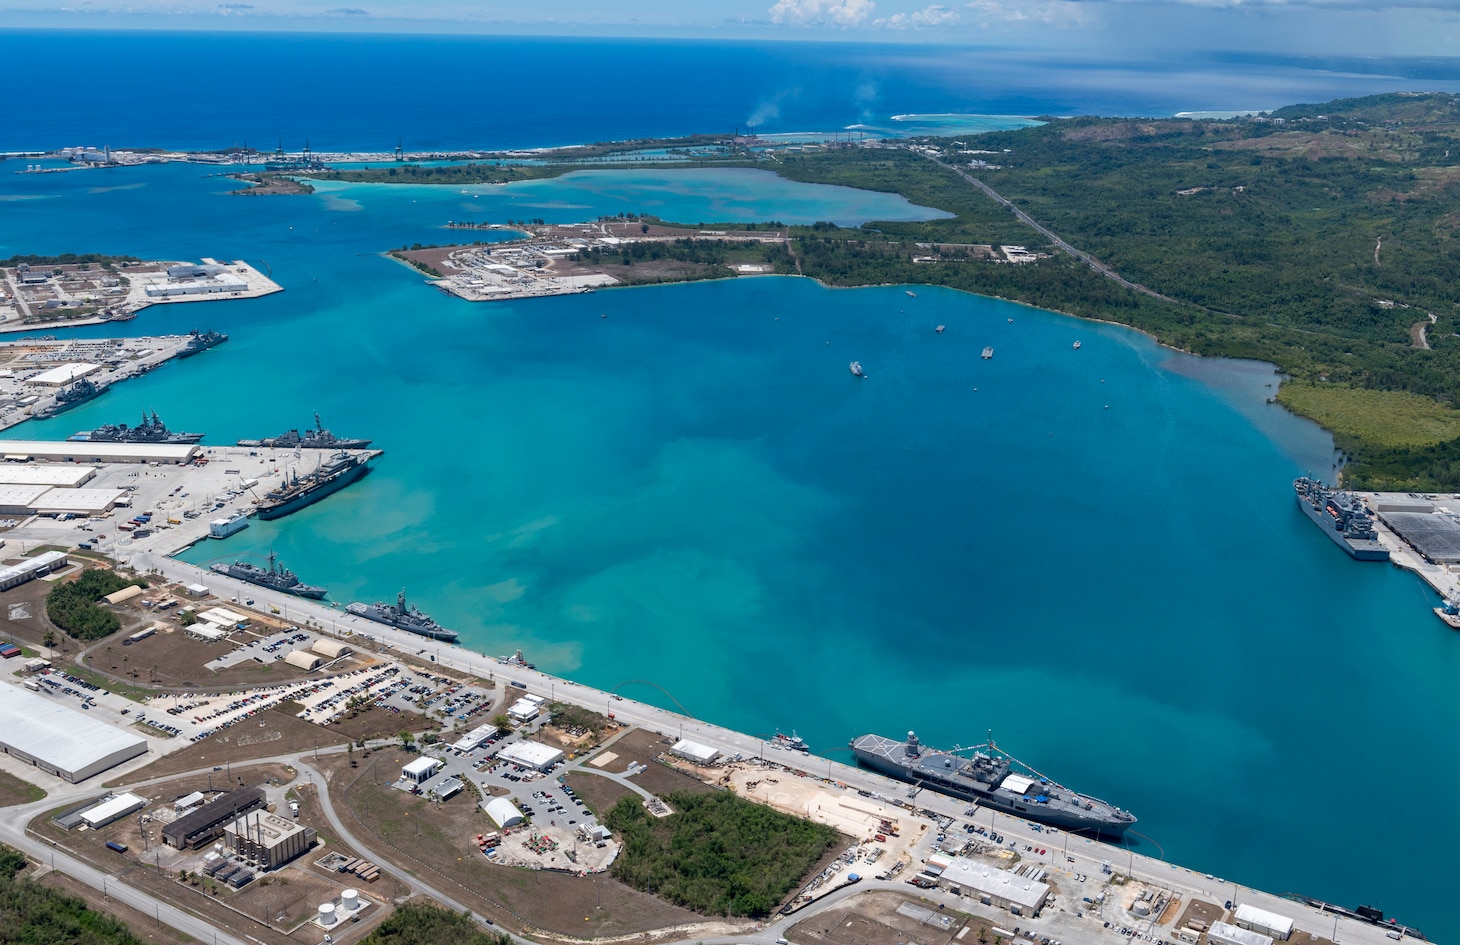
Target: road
[1025,218]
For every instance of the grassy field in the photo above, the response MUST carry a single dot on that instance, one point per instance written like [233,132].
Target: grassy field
[14,791]
[1382,418]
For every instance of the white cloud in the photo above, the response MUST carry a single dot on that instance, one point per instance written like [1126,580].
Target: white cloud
[842,13]
[933,15]
[1031,12]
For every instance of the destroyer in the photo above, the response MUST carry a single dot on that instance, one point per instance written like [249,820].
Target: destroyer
[989,779]
[71,396]
[403,617]
[300,491]
[150,430]
[317,439]
[275,578]
[200,341]
[1342,517]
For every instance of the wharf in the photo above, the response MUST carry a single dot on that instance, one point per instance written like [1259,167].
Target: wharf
[1442,577]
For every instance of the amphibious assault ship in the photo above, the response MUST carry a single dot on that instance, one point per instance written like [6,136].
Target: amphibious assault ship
[299,491]
[989,779]
[1342,517]
[403,617]
[70,396]
[150,430]
[317,439]
[200,341]
[274,577]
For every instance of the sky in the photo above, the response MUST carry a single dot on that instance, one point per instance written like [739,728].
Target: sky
[1116,27]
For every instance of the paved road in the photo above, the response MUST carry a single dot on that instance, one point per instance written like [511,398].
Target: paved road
[1084,257]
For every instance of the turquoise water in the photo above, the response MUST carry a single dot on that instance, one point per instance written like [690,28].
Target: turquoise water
[1094,553]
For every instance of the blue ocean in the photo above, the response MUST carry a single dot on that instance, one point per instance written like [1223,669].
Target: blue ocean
[1094,553]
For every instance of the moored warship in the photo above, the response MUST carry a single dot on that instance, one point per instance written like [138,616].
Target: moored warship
[274,577]
[200,341]
[297,491]
[71,395]
[1342,517]
[989,778]
[403,617]
[150,430]
[316,439]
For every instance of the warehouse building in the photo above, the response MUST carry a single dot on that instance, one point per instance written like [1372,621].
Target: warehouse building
[694,751]
[991,886]
[1223,934]
[34,474]
[533,755]
[31,568]
[81,451]
[503,812]
[305,660]
[331,649]
[267,840]
[77,501]
[15,499]
[474,739]
[1260,920]
[191,831]
[64,374]
[112,810]
[59,740]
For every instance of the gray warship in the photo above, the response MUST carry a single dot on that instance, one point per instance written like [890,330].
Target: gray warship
[274,577]
[316,439]
[989,778]
[200,341]
[150,430]
[1342,517]
[403,617]
[72,395]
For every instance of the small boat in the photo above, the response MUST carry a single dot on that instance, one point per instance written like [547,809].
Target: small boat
[1077,346]
[1011,321]
[856,368]
[988,352]
[940,328]
[910,293]
[1450,613]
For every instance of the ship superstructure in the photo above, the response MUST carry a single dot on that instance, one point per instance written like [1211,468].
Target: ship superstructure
[1342,517]
[991,778]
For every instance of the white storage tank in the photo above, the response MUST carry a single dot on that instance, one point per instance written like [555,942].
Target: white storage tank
[326,913]
[350,900]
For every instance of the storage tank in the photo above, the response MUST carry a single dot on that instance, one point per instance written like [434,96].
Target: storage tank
[350,900]
[326,913]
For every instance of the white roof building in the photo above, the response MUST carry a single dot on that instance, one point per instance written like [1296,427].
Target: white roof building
[76,501]
[694,751]
[1224,934]
[331,649]
[992,886]
[531,755]
[523,710]
[421,769]
[204,630]
[112,810]
[64,374]
[306,660]
[503,812]
[31,568]
[473,739]
[15,498]
[59,740]
[222,616]
[188,801]
[38,474]
[1260,920]
[80,451]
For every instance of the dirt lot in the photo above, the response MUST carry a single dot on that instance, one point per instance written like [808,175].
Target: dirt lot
[278,731]
[644,747]
[873,919]
[172,660]
[436,840]
[599,794]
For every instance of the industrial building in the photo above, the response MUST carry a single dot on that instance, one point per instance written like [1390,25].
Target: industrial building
[222,283]
[1223,934]
[422,769]
[15,499]
[694,751]
[32,568]
[112,810]
[60,740]
[473,740]
[191,831]
[991,886]
[531,755]
[503,812]
[331,649]
[1433,531]
[268,840]
[1258,920]
[448,789]
[304,659]
[64,374]
[76,501]
[37,474]
[81,451]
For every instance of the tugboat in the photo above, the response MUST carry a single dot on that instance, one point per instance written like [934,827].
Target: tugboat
[198,342]
[316,439]
[856,368]
[71,396]
[403,617]
[150,430]
[275,578]
[300,491]
[791,742]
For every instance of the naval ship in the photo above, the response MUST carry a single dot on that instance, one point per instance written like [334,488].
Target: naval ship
[200,341]
[989,779]
[299,491]
[317,439]
[403,617]
[150,430]
[71,396]
[1342,517]
[275,578]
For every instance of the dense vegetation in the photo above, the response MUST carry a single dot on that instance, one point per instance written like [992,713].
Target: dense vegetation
[72,605]
[419,923]
[32,914]
[718,854]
